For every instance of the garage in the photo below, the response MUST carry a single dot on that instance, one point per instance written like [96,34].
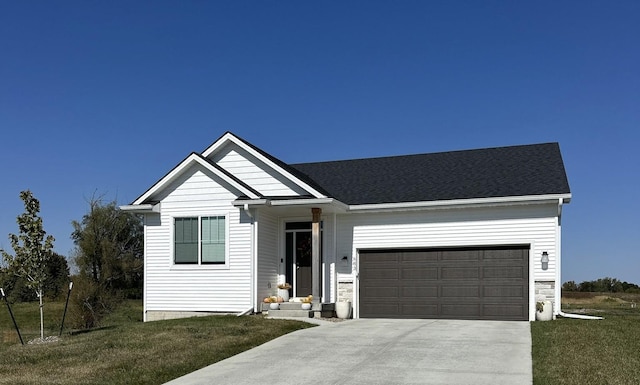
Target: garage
[484,283]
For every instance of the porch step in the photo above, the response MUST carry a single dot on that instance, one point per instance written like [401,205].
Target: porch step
[291,313]
[322,309]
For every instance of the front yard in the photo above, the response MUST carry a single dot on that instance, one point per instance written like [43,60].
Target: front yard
[585,352]
[127,351]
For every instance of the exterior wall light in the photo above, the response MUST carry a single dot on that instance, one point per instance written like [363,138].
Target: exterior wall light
[545,260]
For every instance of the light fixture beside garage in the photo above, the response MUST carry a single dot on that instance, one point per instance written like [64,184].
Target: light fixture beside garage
[545,260]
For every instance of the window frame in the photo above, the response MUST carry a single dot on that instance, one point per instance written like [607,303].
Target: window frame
[199,264]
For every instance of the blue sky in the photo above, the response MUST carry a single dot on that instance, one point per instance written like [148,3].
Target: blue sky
[105,97]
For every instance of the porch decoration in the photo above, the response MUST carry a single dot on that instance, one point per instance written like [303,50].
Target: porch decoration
[306,302]
[283,291]
[544,311]
[343,309]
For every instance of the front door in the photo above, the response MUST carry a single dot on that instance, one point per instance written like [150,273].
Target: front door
[298,257]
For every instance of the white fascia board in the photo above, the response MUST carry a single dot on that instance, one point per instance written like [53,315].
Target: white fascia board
[141,209]
[185,164]
[232,138]
[250,202]
[312,202]
[498,201]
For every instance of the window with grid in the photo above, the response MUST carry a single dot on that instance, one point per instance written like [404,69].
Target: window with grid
[200,240]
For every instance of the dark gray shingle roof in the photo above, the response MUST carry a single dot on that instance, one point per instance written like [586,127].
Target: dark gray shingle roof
[492,172]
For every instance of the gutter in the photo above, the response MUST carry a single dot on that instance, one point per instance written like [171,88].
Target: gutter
[509,200]
[141,209]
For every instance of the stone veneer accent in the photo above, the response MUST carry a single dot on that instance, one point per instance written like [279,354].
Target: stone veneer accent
[545,291]
[345,291]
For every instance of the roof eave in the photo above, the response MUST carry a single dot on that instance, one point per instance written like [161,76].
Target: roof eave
[141,209]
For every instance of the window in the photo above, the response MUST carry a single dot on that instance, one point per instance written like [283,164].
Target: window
[200,240]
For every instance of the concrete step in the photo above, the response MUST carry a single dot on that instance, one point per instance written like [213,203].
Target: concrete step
[291,313]
[323,307]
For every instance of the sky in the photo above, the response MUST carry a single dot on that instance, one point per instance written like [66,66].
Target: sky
[102,98]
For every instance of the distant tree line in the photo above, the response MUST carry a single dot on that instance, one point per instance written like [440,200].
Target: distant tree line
[602,285]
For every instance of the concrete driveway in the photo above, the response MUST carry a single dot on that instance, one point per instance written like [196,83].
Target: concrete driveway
[383,351]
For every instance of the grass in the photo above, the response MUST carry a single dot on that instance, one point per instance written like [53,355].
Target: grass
[127,351]
[572,351]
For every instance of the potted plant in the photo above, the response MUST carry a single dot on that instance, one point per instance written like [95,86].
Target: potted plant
[283,291]
[544,310]
[306,302]
[343,309]
[273,302]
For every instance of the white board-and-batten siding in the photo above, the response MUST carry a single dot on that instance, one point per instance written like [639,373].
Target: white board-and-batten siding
[196,288]
[534,225]
[255,173]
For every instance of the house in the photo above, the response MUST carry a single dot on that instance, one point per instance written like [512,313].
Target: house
[470,234]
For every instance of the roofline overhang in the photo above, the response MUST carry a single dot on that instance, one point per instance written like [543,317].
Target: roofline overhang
[455,203]
[290,202]
[141,209]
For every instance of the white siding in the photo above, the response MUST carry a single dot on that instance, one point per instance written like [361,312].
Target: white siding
[254,173]
[190,287]
[533,224]
[268,260]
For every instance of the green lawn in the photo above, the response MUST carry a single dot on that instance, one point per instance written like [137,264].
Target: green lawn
[126,351]
[585,352]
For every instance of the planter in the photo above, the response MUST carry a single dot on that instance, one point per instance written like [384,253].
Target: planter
[306,306]
[284,293]
[274,306]
[547,312]
[343,309]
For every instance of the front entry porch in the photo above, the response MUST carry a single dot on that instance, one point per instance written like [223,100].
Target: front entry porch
[294,309]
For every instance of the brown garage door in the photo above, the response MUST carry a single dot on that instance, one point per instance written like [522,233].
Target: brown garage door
[466,283]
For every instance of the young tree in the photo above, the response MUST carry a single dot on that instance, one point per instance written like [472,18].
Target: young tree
[33,248]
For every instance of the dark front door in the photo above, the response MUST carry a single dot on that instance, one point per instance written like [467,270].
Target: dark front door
[298,257]
[303,264]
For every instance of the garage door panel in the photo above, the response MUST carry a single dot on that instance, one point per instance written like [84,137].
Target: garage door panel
[465,283]
[419,310]
[460,310]
[427,273]
[460,291]
[419,257]
[460,273]
[512,291]
[381,273]
[506,272]
[382,292]
[505,310]
[426,292]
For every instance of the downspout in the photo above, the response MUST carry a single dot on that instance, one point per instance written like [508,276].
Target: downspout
[254,261]
[558,289]
[579,316]
[558,279]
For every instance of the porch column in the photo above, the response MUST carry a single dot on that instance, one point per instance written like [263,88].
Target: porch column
[315,254]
